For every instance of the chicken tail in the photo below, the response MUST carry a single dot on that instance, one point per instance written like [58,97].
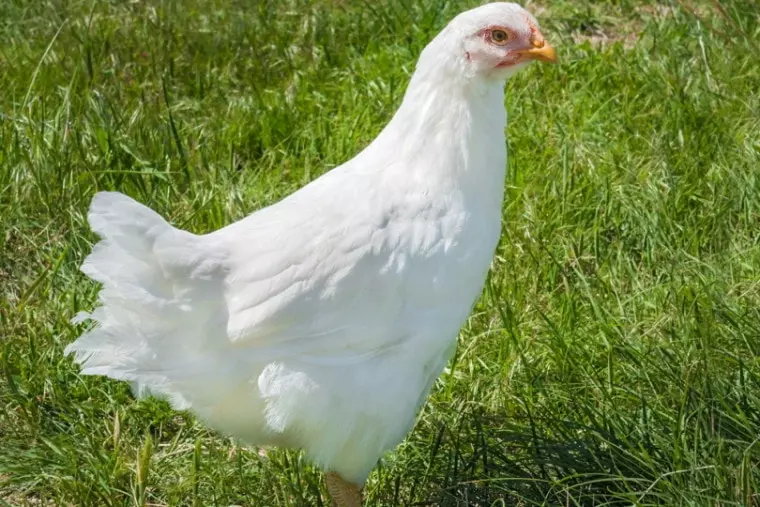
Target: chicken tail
[156,304]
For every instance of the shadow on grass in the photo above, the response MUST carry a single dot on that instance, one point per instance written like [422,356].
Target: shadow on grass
[483,460]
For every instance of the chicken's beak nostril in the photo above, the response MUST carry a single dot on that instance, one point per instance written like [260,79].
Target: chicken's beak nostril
[543,51]
[538,42]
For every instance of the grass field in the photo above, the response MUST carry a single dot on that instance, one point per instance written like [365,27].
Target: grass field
[614,358]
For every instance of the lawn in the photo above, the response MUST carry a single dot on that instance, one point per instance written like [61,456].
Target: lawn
[614,358]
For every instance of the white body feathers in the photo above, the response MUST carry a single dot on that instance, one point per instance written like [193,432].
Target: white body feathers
[320,322]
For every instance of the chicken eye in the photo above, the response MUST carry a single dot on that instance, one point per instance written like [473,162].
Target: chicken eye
[499,36]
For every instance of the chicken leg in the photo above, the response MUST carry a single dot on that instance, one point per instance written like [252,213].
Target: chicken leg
[343,494]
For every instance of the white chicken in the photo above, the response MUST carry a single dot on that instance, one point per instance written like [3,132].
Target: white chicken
[321,322]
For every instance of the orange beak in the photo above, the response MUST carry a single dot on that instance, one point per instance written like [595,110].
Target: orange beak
[541,50]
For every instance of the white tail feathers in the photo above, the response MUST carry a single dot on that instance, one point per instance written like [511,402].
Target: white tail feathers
[158,300]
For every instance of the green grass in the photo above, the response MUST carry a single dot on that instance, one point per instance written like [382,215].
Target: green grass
[614,358]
